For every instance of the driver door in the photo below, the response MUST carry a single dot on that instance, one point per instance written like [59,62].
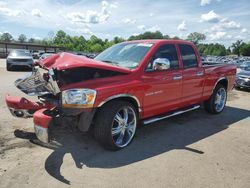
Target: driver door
[162,87]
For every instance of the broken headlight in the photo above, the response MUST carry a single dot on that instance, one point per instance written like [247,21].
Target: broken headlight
[78,98]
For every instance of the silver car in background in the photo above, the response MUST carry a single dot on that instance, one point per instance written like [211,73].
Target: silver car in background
[19,58]
[243,76]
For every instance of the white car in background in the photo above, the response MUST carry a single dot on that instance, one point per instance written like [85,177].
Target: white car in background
[19,58]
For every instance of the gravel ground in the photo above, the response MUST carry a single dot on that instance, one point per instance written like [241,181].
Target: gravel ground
[192,150]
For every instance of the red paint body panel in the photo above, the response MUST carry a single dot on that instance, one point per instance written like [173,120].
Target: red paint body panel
[68,61]
[192,89]
[41,119]
[23,103]
[156,92]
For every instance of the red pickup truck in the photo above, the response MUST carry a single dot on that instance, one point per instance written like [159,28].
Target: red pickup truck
[137,81]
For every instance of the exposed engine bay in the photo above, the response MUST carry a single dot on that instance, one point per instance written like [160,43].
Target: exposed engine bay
[42,82]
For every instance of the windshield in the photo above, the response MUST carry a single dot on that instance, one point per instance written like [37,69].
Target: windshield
[16,53]
[127,55]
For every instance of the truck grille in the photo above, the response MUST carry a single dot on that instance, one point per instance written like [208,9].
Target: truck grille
[34,84]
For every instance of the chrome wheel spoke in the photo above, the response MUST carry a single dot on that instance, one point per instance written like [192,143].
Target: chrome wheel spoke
[220,99]
[116,130]
[118,118]
[119,140]
[130,129]
[125,113]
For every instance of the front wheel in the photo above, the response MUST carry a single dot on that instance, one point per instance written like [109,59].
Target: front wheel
[115,125]
[216,103]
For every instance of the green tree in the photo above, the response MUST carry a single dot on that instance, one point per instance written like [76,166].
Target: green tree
[22,38]
[31,40]
[118,40]
[147,35]
[236,47]
[212,49]
[229,51]
[6,37]
[196,37]
[245,49]
[176,38]
[60,38]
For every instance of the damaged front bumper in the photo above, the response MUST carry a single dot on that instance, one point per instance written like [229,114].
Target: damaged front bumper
[23,108]
[40,82]
[42,120]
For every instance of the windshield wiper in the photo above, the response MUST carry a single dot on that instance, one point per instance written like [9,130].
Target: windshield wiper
[111,62]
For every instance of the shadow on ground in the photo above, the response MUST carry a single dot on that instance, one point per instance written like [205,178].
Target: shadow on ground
[174,133]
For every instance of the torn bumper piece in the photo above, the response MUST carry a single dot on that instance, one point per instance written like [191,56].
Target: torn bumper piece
[42,121]
[22,107]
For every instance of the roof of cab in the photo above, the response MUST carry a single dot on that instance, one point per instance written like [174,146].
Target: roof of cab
[177,41]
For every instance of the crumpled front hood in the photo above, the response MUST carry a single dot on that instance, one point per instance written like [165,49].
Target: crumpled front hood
[64,61]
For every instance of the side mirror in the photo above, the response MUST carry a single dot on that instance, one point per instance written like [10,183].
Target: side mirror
[161,64]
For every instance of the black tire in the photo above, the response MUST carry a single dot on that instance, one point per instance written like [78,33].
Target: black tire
[104,122]
[210,105]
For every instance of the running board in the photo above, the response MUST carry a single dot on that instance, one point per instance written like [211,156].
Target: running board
[152,120]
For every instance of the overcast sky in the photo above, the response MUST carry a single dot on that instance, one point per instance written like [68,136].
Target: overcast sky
[223,21]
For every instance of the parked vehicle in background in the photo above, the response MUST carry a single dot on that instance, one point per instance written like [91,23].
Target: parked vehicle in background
[35,54]
[245,65]
[243,76]
[19,58]
[146,80]
[45,55]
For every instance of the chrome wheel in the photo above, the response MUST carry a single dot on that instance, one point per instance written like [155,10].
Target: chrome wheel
[124,126]
[220,99]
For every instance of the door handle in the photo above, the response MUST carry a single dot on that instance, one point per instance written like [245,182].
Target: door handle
[200,73]
[179,77]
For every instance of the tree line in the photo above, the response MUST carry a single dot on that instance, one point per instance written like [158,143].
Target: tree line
[96,45]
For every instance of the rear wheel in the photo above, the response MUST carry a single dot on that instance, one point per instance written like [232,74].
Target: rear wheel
[216,103]
[115,125]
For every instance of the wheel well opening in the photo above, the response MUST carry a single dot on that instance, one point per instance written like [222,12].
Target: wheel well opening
[128,99]
[223,82]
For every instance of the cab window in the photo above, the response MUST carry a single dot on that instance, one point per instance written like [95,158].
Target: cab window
[189,59]
[165,51]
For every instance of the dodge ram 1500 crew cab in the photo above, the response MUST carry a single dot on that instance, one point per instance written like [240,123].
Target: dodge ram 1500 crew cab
[137,81]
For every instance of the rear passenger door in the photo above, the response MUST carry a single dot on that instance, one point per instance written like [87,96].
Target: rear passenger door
[192,76]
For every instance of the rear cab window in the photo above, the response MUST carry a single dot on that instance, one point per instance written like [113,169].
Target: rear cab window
[188,56]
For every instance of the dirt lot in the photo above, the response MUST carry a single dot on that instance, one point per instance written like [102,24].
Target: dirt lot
[192,150]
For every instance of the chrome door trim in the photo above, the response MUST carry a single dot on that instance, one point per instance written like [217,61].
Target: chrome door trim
[178,77]
[200,73]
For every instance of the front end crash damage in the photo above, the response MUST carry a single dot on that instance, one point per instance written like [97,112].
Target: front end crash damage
[46,81]
[48,111]
[39,82]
